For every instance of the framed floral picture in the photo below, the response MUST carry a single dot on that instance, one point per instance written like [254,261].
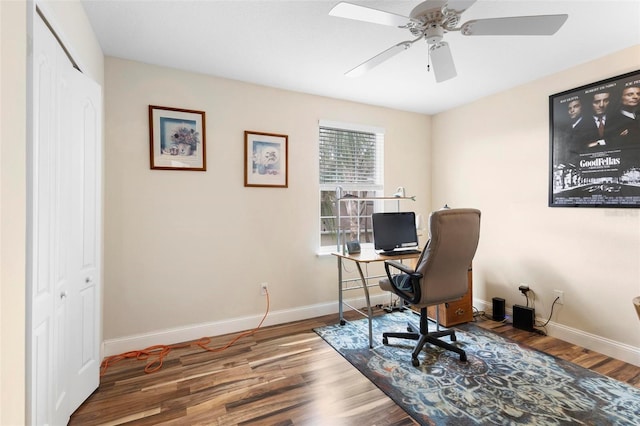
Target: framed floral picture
[265,159]
[177,139]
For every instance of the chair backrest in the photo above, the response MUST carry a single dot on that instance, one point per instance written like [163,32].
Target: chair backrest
[454,235]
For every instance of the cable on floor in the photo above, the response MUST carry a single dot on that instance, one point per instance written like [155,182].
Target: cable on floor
[154,355]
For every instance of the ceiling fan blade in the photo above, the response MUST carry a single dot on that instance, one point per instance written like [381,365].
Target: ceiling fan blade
[378,59]
[443,66]
[367,14]
[460,5]
[516,25]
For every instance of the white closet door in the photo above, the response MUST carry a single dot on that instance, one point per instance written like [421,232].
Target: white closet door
[64,235]
[49,228]
[84,291]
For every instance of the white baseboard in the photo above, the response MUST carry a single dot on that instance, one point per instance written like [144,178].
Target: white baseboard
[234,325]
[617,350]
[110,347]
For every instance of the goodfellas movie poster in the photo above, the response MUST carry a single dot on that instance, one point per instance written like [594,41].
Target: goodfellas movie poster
[595,144]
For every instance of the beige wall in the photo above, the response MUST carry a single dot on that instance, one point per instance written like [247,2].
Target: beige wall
[498,161]
[184,247]
[13,65]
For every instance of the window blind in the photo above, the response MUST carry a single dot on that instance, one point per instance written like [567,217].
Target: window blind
[350,158]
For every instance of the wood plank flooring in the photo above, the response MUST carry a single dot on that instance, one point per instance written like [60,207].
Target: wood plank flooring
[280,375]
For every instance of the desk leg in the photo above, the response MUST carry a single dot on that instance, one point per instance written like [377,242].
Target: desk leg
[342,322]
[369,311]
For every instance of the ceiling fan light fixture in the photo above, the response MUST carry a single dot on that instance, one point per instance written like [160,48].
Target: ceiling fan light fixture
[433,34]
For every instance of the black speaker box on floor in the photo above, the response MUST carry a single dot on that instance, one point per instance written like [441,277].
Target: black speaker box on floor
[498,309]
[523,317]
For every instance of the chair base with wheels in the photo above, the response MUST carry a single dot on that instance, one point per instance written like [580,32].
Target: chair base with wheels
[423,336]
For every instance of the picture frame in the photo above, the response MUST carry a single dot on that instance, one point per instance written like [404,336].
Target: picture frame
[177,139]
[594,137]
[266,159]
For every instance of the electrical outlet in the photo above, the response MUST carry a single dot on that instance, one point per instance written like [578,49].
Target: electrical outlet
[558,294]
[264,288]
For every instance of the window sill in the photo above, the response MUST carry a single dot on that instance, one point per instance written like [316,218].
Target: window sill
[325,251]
[328,250]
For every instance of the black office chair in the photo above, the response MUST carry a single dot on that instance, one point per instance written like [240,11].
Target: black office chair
[440,275]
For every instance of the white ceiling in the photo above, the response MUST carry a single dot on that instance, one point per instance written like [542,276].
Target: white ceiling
[296,45]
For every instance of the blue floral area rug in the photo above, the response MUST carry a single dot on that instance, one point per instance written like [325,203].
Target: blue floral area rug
[502,383]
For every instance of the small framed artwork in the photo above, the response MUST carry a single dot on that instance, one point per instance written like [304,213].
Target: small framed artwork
[265,159]
[595,144]
[177,139]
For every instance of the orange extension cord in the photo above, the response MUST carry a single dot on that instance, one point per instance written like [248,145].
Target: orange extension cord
[155,354]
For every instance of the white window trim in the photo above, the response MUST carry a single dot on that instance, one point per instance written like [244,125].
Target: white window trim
[351,126]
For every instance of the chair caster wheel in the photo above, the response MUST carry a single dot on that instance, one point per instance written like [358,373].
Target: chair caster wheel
[410,329]
[342,322]
[385,341]
[453,338]
[415,362]
[463,357]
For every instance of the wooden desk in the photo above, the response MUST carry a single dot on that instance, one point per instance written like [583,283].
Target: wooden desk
[364,257]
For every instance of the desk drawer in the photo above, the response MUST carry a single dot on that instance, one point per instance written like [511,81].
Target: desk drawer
[453,313]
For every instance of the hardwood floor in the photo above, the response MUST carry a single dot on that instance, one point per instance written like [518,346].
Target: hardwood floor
[280,375]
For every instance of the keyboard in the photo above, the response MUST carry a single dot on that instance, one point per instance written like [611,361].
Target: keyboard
[398,252]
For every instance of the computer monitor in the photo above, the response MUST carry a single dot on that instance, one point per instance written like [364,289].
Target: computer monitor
[394,230]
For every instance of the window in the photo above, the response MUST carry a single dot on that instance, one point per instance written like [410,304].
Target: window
[351,162]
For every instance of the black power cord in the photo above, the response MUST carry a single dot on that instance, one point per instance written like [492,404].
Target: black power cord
[524,289]
[548,319]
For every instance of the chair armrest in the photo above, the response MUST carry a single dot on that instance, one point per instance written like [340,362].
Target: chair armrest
[415,294]
[398,265]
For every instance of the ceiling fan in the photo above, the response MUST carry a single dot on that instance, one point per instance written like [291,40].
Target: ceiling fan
[431,19]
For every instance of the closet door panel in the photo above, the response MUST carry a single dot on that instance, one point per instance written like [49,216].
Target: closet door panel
[49,272]
[86,234]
